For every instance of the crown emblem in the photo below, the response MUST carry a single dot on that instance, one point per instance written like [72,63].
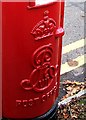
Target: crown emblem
[44,28]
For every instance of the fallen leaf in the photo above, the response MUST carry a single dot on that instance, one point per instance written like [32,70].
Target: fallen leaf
[74,110]
[65,115]
[75,90]
[69,88]
[72,63]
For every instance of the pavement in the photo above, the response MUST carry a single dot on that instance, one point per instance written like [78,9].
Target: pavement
[74,43]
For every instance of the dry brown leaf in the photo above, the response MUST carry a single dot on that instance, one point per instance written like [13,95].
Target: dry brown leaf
[72,63]
[77,83]
[74,116]
[75,90]
[72,87]
[65,115]
[73,110]
[65,110]
[69,88]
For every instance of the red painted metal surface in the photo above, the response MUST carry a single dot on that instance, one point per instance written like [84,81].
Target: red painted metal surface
[31,49]
[0,60]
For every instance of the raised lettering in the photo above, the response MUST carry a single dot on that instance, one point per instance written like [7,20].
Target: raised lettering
[31,102]
[43,98]
[18,103]
[25,103]
[36,100]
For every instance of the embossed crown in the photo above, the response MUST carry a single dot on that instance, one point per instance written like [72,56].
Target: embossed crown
[44,28]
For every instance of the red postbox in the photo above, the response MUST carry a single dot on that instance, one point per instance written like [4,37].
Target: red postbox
[31,58]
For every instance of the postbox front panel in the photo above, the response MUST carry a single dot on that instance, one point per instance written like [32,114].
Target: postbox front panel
[30,59]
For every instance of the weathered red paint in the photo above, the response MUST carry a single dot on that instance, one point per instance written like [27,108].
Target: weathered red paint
[31,49]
